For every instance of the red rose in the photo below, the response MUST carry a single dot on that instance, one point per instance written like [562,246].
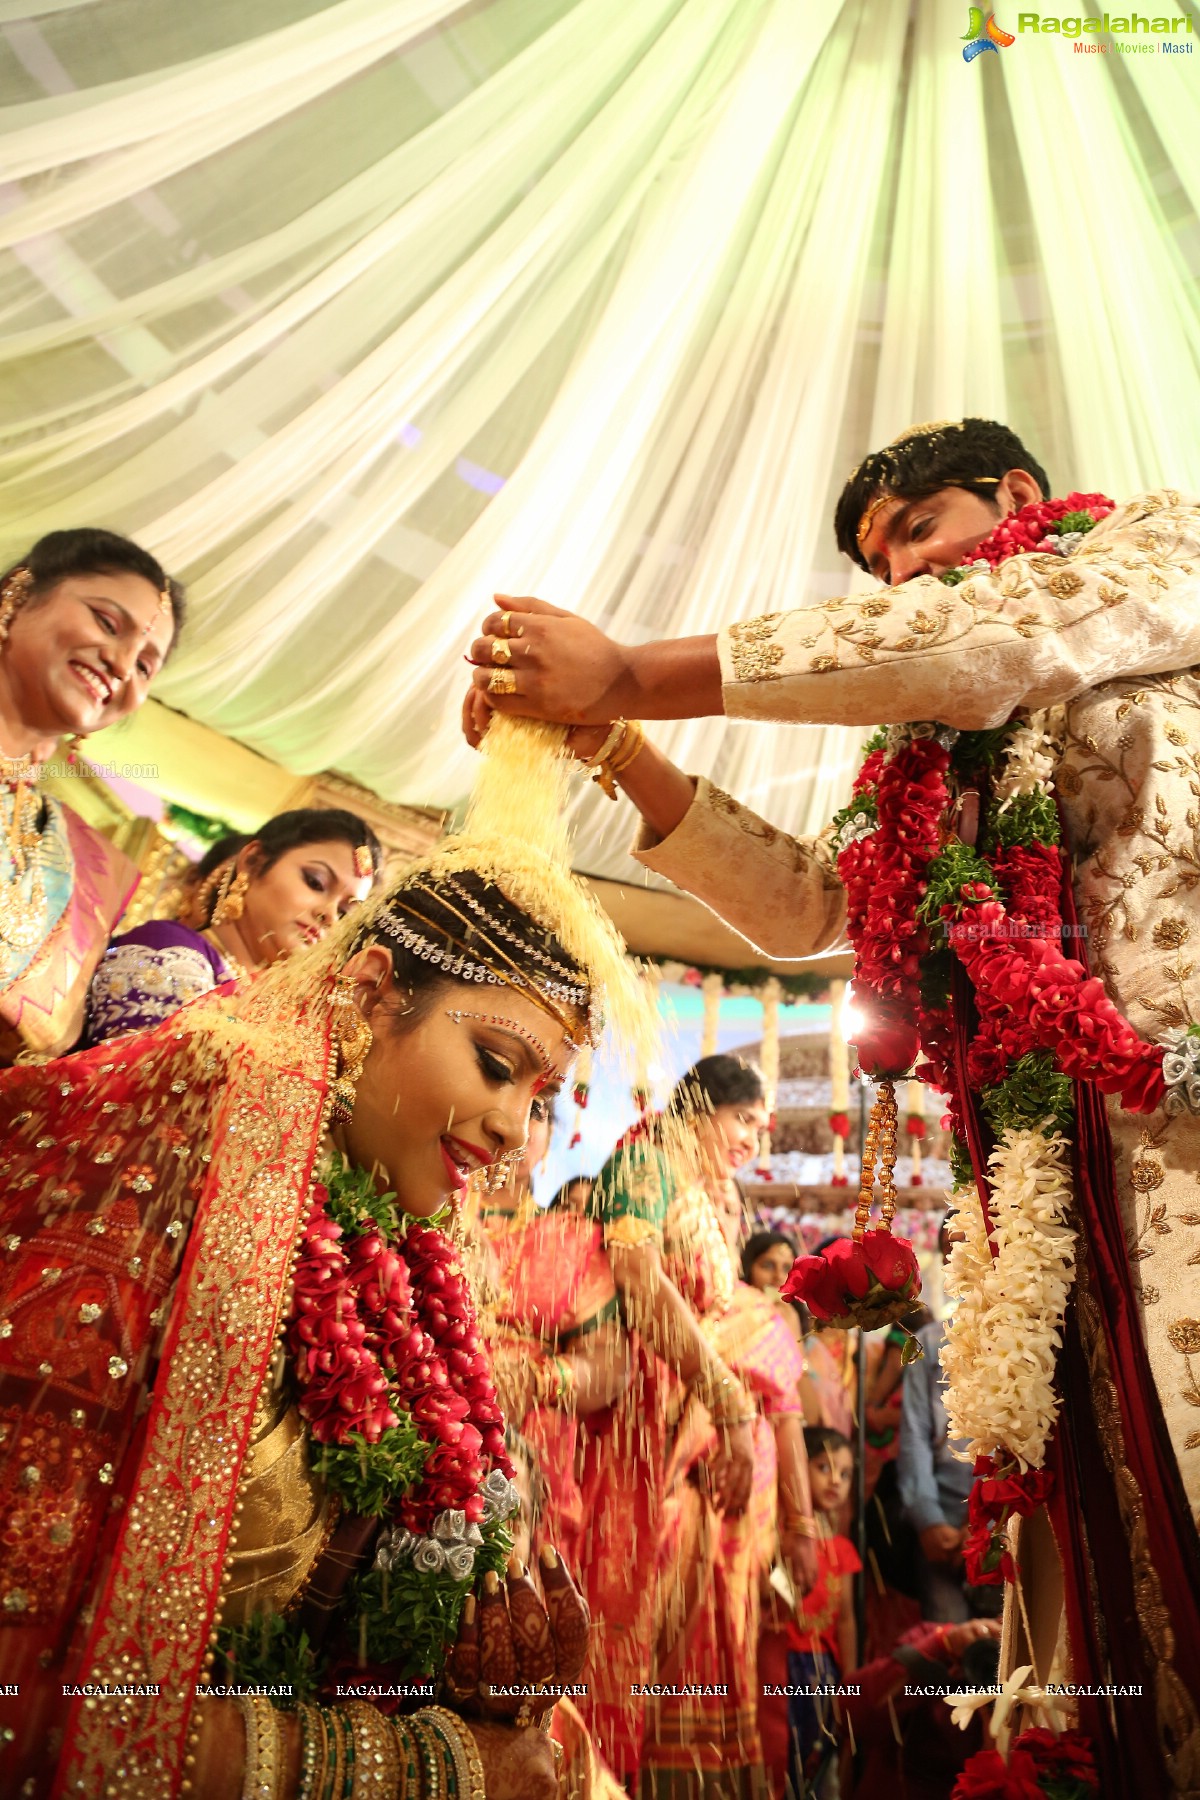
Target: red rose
[988,1563]
[887,1046]
[986,1776]
[1019,1493]
[818,1285]
[891,1261]
[839,1124]
[1067,1757]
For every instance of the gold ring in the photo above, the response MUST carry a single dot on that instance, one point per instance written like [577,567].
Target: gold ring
[501,650]
[506,630]
[502,681]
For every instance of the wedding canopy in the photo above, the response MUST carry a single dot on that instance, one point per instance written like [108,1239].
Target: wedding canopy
[357,312]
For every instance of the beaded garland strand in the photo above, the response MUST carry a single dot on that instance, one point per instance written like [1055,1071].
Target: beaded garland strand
[917,898]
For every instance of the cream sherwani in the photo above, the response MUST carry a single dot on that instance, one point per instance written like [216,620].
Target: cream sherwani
[1114,632]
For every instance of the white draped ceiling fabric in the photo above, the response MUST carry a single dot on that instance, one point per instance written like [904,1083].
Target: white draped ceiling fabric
[358,312]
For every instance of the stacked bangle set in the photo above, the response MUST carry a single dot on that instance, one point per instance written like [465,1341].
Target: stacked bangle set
[353,1752]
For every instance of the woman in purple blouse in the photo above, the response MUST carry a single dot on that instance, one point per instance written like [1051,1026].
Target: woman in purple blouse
[251,901]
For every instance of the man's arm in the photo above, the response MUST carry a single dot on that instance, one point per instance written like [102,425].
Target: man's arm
[1039,630]
[782,893]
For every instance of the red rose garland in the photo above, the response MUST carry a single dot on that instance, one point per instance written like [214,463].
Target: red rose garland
[376,1329]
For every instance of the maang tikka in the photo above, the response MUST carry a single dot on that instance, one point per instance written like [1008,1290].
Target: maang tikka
[352,1039]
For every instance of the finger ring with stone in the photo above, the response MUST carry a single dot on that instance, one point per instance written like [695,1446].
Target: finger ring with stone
[501,650]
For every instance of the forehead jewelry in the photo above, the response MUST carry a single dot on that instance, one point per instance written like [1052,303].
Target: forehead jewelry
[864,524]
[164,601]
[363,863]
[514,1025]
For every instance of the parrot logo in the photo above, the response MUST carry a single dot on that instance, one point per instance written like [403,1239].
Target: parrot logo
[984,35]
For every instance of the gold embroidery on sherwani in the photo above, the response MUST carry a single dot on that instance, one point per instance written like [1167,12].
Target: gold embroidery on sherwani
[1130,781]
[1175,1706]
[754,658]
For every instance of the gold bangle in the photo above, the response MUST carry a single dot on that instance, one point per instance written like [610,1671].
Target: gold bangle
[616,736]
[476,1777]
[406,1744]
[724,1396]
[376,1755]
[312,1765]
[260,1779]
[429,1746]
[630,746]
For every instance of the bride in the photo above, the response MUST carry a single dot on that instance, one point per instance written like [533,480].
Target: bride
[248,1427]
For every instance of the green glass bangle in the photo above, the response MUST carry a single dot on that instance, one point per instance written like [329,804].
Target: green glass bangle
[348,1777]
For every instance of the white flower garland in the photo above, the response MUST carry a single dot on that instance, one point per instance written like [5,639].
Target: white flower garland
[1003,1339]
[1030,756]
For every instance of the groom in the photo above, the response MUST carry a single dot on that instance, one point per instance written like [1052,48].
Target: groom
[1112,632]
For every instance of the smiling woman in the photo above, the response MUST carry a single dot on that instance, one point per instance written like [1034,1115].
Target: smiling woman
[87,619]
[251,900]
[269,1433]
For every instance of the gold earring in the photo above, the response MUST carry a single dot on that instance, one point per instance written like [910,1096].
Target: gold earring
[13,594]
[352,1038]
[231,897]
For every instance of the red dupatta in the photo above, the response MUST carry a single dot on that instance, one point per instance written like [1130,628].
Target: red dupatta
[195,1141]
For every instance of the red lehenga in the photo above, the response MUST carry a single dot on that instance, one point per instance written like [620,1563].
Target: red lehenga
[673,1588]
[552,1291]
[151,1199]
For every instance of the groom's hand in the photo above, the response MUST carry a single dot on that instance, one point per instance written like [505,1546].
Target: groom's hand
[558,668]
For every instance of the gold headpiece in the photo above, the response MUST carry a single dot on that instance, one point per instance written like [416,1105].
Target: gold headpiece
[864,524]
[364,862]
[931,429]
[164,602]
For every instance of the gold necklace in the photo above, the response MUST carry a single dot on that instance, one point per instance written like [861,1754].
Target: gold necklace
[237,970]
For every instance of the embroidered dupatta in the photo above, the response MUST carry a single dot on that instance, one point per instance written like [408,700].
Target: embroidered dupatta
[165,1177]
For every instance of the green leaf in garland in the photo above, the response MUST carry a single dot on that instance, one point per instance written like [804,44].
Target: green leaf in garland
[408,1617]
[1026,819]
[975,751]
[1032,1095]
[269,1650]
[946,876]
[961,1169]
[1073,521]
[877,741]
[198,825]
[370,1477]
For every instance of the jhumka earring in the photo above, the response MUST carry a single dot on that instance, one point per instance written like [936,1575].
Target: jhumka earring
[13,594]
[231,897]
[352,1039]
